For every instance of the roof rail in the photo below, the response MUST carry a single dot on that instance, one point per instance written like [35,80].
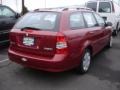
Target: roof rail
[77,8]
[100,0]
[64,8]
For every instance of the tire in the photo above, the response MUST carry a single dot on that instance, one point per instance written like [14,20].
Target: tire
[85,62]
[115,33]
[110,43]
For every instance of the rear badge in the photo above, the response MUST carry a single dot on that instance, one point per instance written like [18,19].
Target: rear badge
[24,59]
[48,49]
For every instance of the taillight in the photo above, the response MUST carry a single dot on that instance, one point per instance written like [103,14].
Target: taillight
[61,44]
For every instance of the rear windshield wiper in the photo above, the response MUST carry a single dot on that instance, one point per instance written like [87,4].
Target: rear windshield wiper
[33,28]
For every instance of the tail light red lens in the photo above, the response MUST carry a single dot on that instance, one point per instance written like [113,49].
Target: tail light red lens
[61,44]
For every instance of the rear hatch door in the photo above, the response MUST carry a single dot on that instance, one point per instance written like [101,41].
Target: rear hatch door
[36,42]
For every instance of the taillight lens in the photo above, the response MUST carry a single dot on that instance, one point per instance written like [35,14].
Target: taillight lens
[61,44]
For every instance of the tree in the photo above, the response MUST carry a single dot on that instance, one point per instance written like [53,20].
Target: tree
[24,8]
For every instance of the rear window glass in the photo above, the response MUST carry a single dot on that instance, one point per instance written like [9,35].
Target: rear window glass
[39,20]
[92,5]
[104,7]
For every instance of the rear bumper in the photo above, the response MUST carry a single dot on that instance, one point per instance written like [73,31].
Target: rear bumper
[58,63]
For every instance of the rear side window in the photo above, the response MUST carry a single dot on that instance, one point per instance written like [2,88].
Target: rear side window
[100,20]
[76,21]
[39,20]
[104,7]
[92,5]
[90,20]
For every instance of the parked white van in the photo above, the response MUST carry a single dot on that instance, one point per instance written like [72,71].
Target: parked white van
[109,10]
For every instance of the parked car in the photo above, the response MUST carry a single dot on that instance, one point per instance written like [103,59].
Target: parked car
[8,17]
[109,10]
[57,40]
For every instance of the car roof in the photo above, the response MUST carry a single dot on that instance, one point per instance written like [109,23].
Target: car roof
[4,6]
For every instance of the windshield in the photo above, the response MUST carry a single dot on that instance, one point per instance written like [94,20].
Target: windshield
[104,7]
[92,5]
[38,20]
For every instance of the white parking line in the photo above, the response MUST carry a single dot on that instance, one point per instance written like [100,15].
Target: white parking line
[4,60]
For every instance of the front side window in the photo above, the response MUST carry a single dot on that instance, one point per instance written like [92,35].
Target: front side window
[76,21]
[6,12]
[104,7]
[100,20]
[39,20]
[90,20]
[92,5]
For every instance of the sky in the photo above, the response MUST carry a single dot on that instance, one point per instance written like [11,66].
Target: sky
[33,4]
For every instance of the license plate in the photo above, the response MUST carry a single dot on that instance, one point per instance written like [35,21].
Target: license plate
[28,41]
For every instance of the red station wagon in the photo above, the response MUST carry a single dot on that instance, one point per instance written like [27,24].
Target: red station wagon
[57,40]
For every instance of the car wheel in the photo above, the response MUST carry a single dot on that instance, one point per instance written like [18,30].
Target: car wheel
[85,62]
[115,32]
[110,43]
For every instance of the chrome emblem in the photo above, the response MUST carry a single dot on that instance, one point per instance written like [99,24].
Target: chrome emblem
[48,49]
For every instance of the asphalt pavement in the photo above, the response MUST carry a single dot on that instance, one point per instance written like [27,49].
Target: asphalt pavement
[104,74]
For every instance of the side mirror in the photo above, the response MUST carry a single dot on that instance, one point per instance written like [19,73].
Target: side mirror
[17,15]
[105,18]
[108,24]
